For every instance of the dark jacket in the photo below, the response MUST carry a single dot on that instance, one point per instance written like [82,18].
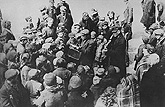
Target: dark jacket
[3,69]
[152,87]
[117,52]
[8,35]
[14,96]
[87,24]
[148,17]
[68,21]
[88,48]
[75,99]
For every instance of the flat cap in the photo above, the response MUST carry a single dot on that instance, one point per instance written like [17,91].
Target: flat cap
[85,32]
[10,73]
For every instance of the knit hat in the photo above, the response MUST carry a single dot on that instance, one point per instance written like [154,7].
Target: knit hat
[50,79]
[10,73]
[75,82]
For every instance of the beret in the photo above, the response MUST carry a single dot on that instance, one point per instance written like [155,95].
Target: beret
[11,73]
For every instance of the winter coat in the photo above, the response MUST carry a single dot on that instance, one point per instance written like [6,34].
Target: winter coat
[88,52]
[117,52]
[51,97]
[152,87]
[14,96]
[75,99]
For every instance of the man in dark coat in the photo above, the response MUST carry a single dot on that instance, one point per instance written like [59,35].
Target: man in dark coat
[117,50]
[62,72]
[12,93]
[65,18]
[87,49]
[148,17]
[75,98]
[152,87]
[62,3]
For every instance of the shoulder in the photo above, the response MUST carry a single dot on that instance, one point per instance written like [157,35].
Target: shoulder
[3,90]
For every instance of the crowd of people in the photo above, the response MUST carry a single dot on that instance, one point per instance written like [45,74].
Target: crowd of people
[59,63]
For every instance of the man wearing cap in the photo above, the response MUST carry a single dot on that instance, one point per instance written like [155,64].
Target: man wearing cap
[62,72]
[53,95]
[117,51]
[62,3]
[12,93]
[33,85]
[75,98]
[87,49]
[95,19]
[65,18]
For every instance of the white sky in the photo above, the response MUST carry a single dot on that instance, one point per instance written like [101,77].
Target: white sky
[17,10]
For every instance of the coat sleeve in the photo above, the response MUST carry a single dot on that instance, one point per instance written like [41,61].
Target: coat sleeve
[140,54]
[40,101]
[119,49]
[5,99]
